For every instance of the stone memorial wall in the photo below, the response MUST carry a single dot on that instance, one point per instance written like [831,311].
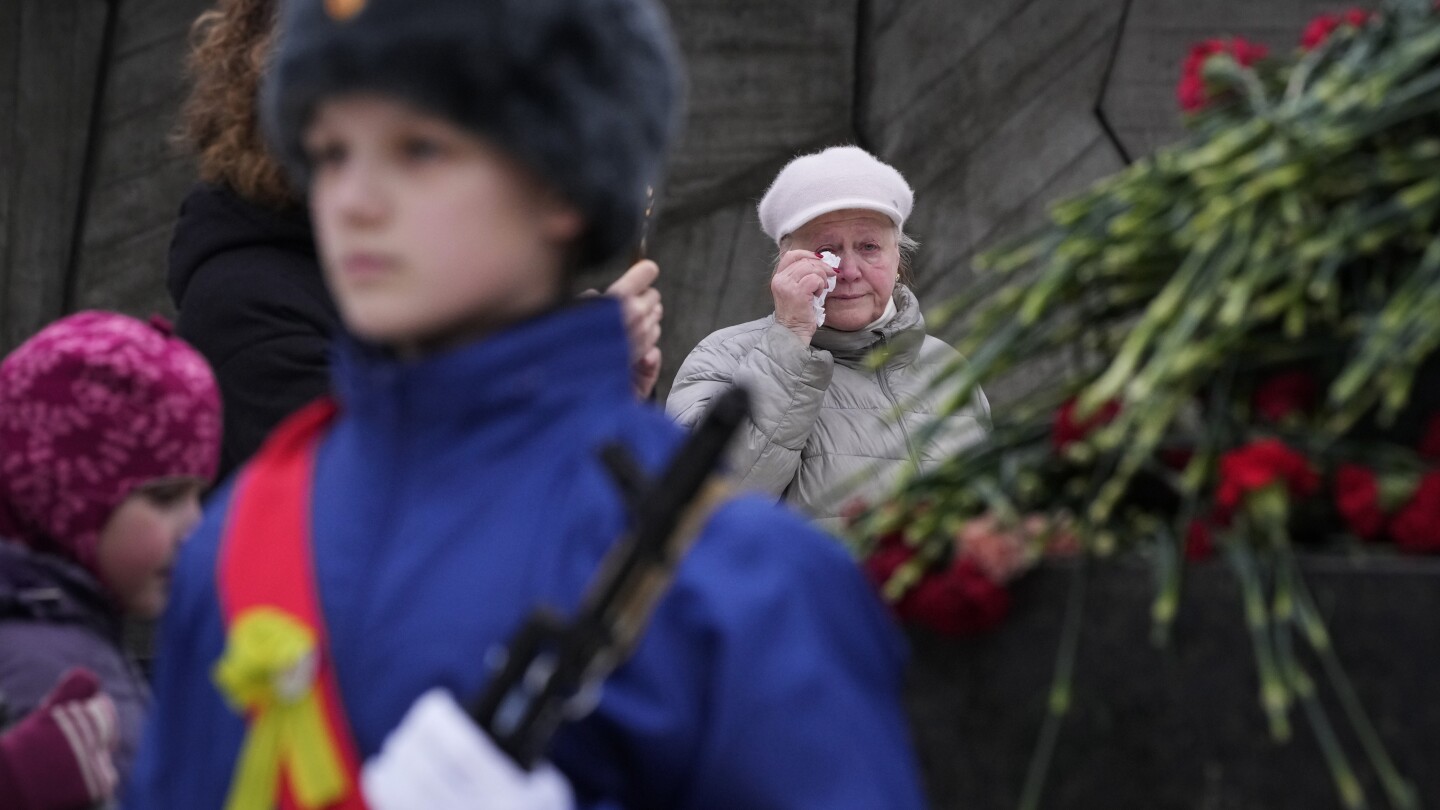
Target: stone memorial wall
[993,110]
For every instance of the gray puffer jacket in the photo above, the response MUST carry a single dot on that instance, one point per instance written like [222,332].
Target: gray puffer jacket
[823,427]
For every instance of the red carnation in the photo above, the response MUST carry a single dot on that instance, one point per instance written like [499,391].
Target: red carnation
[1290,392]
[1256,466]
[1191,91]
[1323,26]
[1430,442]
[1199,541]
[1416,527]
[884,560]
[1176,458]
[1068,431]
[1357,496]
[958,601]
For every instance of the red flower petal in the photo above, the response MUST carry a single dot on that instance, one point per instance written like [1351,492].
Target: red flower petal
[1257,465]
[1199,541]
[958,601]
[1416,526]
[1191,92]
[1068,430]
[1430,442]
[1320,28]
[1290,392]
[1357,496]
[1248,53]
[882,562]
[1177,458]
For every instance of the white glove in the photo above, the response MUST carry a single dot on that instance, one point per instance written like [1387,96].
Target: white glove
[819,301]
[438,759]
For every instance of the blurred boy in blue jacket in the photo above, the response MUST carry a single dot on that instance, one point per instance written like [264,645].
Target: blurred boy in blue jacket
[463,160]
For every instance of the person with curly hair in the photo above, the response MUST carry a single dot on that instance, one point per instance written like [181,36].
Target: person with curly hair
[243,272]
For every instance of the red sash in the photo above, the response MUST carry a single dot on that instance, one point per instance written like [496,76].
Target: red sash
[266,559]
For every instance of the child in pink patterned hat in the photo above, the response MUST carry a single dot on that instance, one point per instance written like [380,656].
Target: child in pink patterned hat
[109,432]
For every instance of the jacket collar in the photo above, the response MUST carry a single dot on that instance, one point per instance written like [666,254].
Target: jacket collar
[903,335]
[48,588]
[577,351]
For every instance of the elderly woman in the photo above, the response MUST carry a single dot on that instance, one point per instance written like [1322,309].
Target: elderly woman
[824,426]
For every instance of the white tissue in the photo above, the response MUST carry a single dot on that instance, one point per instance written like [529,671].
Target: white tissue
[818,302]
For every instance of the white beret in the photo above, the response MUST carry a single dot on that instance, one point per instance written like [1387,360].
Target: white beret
[836,179]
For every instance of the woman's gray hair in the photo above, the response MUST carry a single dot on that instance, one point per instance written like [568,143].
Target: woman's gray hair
[908,248]
[907,244]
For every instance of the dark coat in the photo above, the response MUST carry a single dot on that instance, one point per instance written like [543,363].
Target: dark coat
[251,298]
[54,616]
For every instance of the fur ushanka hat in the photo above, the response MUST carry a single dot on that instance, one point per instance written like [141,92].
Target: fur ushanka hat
[585,93]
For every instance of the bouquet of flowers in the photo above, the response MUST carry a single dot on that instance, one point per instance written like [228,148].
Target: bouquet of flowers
[1252,319]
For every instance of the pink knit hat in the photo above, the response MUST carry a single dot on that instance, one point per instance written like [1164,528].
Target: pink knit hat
[92,406]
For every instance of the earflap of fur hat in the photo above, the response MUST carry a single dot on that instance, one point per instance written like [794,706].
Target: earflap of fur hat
[585,93]
[836,179]
[91,407]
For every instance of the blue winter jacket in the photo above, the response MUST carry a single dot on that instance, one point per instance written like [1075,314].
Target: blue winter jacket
[456,493]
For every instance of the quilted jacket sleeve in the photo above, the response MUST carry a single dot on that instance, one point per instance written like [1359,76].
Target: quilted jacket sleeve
[787,381]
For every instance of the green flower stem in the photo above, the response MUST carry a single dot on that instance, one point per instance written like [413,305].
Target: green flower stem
[1347,785]
[1169,571]
[1141,443]
[1161,311]
[1353,391]
[1274,697]
[1058,704]
[1399,791]
[1302,686]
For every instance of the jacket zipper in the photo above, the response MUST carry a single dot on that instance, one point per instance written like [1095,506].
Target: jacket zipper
[882,375]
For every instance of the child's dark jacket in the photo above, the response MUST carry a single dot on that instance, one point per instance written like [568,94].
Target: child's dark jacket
[54,616]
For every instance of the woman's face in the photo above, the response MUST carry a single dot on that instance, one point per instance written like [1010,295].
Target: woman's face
[869,255]
[139,540]
[429,236]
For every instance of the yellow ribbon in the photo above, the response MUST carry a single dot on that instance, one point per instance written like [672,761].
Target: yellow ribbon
[268,673]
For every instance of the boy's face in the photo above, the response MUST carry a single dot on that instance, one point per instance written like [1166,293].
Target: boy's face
[429,235]
[138,542]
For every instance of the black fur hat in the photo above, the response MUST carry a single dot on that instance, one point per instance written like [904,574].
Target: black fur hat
[586,93]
